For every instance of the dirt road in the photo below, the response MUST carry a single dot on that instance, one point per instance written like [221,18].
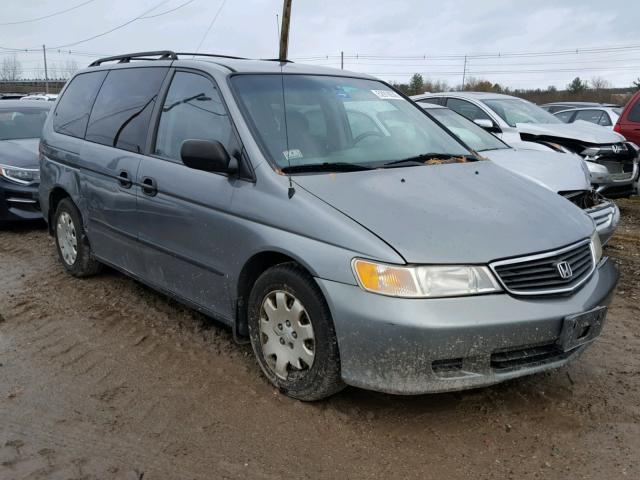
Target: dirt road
[105,379]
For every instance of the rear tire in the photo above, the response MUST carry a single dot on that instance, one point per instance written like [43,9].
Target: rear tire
[292,334]
[72,244]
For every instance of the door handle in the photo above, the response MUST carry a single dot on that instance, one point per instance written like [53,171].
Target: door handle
[124,179]
[149,186]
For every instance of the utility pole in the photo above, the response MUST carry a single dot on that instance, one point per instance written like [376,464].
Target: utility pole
[341,60]
[46,74]
[464,71]
[284,32]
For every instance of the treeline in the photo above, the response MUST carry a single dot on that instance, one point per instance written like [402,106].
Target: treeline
[596,89]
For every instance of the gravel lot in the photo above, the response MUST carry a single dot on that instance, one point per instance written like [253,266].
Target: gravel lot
[105,379]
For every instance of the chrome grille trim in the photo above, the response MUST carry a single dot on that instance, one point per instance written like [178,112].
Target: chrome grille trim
[540,270]
[602,215]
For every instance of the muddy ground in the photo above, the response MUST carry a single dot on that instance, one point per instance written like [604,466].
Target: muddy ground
[105,379]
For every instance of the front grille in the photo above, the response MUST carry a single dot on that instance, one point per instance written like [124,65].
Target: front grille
[541,274]
[527,357]
[602,216]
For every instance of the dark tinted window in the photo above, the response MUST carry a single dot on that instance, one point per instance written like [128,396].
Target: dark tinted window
[634,114]
[192,110]
[467,109]
[22,122]
[72,112]
[120,116]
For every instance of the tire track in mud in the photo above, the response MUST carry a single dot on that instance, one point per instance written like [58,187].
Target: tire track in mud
[103,378]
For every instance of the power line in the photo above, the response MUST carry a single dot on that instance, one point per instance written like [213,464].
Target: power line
[168,11]
[213,20]
[114,28]
[576,51]
[60,12]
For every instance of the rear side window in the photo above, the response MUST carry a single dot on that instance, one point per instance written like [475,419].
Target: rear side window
[565,116]
[591,116]
[72,112]
[634,113]
[121,114]
[193,109]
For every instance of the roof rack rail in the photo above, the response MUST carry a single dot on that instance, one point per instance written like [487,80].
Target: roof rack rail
[215,55]
[126,58]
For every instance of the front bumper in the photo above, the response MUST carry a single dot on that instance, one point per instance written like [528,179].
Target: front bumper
[622,183]
[414,346]
[19,202]
[606,217]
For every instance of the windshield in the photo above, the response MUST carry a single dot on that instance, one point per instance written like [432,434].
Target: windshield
[17,123]
[468,132]
[314,120]
[516,110]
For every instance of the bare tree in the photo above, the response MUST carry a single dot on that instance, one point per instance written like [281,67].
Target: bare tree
[599,83]
[10,69]
[70,67]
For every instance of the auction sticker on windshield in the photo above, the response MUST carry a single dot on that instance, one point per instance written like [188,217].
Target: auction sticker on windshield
[386,94]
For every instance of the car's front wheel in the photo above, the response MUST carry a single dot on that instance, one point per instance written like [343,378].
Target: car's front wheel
[73,247]
[292,334]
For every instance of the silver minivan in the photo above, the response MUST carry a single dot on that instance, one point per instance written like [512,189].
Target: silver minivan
[325,218]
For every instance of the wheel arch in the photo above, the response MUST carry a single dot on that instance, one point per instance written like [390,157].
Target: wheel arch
[56,195]
[255,266]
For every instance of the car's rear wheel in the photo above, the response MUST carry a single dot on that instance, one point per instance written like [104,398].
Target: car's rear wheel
[73,247]
[292,334]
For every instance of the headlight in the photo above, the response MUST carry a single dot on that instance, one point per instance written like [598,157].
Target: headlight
[596,247]
[23,176]
[424,281]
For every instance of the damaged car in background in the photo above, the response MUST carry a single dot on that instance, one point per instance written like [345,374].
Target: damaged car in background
[524,125]
[565,174]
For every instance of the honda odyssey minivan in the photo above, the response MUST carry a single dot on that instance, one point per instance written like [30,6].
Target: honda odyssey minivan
[325,218]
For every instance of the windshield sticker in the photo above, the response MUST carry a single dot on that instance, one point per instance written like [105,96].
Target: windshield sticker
[386,94]
[293,154]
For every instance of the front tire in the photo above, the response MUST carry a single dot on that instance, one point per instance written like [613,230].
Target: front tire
[72,245]
[292,334]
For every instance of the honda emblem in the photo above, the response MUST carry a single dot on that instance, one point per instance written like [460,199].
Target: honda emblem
[564,269]
[616,149]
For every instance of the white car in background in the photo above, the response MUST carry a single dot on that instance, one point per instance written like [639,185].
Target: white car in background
[47,97]
[524,125]
[603,116]
[565,174]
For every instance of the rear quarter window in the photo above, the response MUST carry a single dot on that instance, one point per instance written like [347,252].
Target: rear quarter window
[72,113]
[634,113]
[123,108]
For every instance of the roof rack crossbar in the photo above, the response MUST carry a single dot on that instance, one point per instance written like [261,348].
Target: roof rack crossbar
[126,58]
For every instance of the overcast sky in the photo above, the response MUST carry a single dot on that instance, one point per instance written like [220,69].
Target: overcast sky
[321,28]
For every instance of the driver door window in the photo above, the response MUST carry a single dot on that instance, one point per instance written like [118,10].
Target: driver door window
[193,109]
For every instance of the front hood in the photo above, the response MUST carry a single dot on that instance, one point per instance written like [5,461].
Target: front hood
[456,213]
[581,131]
[19,153]
[558,172]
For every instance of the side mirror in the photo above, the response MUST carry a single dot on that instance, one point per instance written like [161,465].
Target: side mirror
[485,123]
[206,155]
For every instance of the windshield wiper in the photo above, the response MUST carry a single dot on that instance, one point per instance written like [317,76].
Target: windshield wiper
[420,159]
[326,167]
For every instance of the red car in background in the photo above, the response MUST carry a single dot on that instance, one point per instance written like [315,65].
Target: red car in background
[629,122]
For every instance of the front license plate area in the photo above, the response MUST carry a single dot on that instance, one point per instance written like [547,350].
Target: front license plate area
[581,328]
